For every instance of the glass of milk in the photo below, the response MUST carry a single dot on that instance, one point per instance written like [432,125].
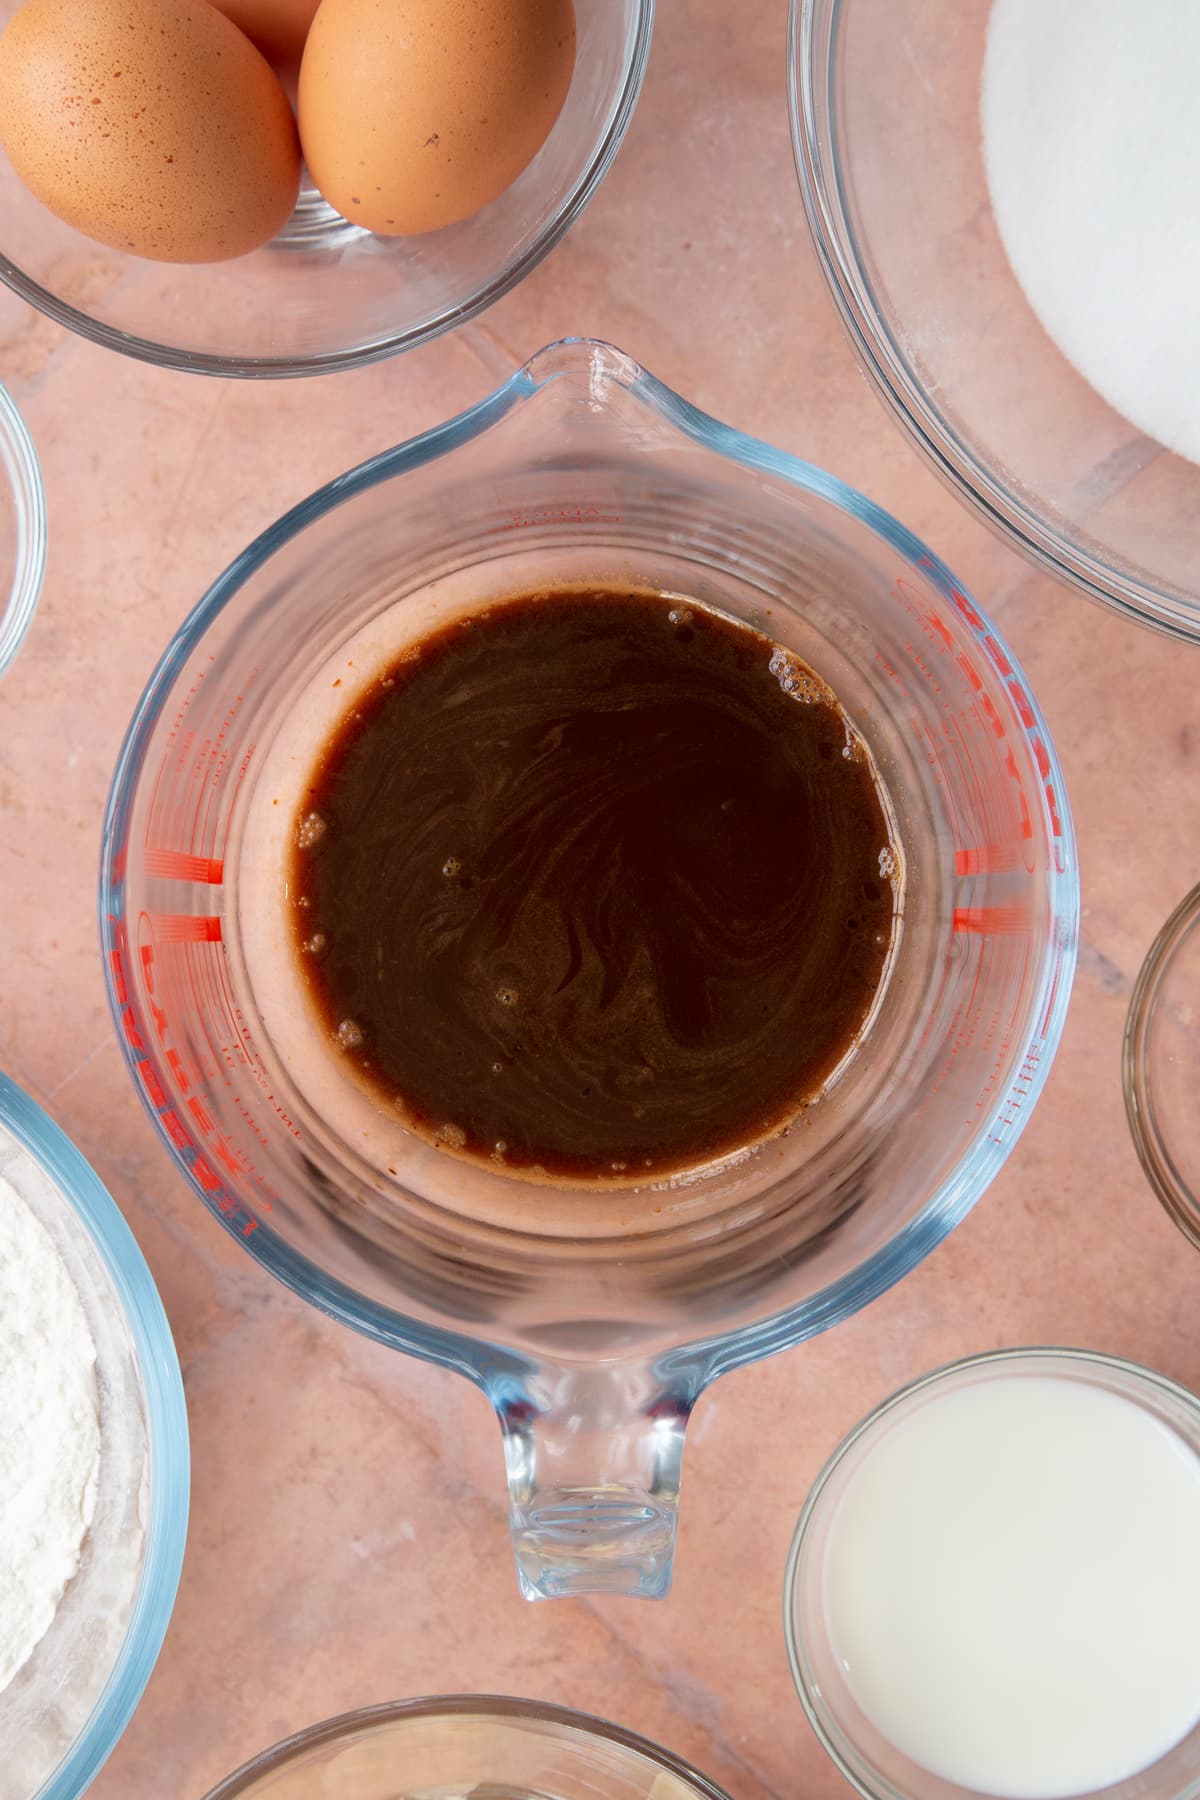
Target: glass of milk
[994,1586]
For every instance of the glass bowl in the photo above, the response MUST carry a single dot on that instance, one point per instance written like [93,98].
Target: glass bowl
[65,1710]
[868,1759]
[1161,1066]
[884,100]
[22,530]
[467,1745]
[327,295]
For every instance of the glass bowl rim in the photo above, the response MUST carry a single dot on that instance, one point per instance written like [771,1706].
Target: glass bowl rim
[877,350]
[167,1436]
[19,460]
[496,1706]
[862,1775]
[1149,1139]
[164,355]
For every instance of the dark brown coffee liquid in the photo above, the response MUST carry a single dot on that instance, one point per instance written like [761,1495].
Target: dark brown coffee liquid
[595,886]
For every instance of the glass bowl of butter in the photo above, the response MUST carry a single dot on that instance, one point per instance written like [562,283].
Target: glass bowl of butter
[467,1747]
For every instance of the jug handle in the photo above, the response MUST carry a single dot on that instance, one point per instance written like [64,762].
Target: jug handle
[593,1457]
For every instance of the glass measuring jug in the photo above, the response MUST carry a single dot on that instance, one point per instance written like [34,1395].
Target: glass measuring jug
[592,1327]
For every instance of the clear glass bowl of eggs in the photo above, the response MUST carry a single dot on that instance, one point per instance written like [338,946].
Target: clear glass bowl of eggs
[1001,197]
[277,187]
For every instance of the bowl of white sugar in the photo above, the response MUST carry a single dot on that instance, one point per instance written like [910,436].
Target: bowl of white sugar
[1002,195]
[93,1463]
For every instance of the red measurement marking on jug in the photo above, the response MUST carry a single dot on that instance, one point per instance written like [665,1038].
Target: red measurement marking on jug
[998,921]
[1013,1098]
[1018,1094]
[176,749]
[226,1202]
[192,779]
[181,936]
[580,514]
[186,928]
[992,850]
[991,835]
[1025,713]
[986,859]
[1051,1000]
[181,865]
[195,978]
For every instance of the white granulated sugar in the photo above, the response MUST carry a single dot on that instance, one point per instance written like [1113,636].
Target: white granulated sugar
[1091,138]
[49,1430]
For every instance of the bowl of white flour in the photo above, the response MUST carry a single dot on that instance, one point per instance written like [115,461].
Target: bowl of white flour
[93,1463]
[1001,194]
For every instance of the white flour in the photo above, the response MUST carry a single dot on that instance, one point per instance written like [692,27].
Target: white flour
[1091,139]
[49,1430]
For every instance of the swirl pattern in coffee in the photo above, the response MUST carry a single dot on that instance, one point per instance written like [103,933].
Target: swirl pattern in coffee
[597,885]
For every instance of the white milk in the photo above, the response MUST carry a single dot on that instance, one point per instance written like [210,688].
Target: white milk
[1012,1586]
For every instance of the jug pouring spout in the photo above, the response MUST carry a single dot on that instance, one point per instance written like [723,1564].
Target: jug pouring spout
[593,1457]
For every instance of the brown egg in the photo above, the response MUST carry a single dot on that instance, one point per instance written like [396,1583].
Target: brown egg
[150,125]
[278,27]
[414,115]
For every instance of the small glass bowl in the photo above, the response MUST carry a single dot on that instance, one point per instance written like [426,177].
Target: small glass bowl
[325,294]
[869,1760]
[467,1747]
[64,1711]
[22,530]
[1160,1066]
[884,102]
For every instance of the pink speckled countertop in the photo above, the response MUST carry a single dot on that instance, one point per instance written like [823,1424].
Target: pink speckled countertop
[348,1535]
